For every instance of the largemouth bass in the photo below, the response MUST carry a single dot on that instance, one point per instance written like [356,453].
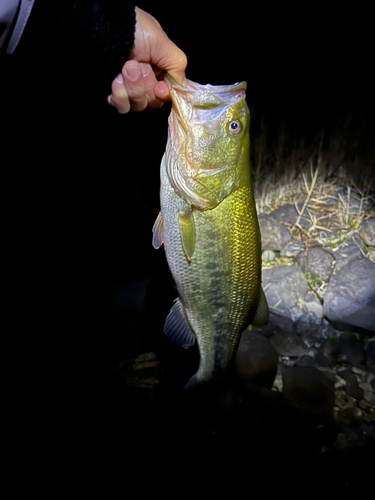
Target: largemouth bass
[208,223]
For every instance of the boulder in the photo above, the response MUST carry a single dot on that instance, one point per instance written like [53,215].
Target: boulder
[308,328]
[306,360]
[349,350]
[348,252]
[279,321]
[309,389]
[274,234]
[317,262]
[349,301]
[312,304]
[370,349]
[292,249]
[352,389]
[368,232]
[284,285]
[288,344]
[256,359]
[288,213]
[325,354]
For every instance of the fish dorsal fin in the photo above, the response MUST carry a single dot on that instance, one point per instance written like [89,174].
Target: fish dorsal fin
[186,226]
[177,328]
[261,314]
[157,232]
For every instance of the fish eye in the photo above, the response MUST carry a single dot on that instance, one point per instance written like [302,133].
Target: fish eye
[234,127]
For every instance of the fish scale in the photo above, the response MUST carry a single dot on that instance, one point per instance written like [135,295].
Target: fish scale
[209,227]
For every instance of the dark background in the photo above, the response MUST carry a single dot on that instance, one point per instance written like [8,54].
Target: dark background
[81,182]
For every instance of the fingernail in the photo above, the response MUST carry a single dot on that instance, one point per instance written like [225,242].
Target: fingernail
[132,71]
[145,68]
[119,78]
[109,99]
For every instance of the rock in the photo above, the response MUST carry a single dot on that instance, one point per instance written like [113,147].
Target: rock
[268,255]
[370,367]
[309,389]
[289,214]
[341,440]
[352,388]
[370,349]
[256,359]
[346,253]
[292,248]
[327,331]
[339,383]
[284,285]
[288,344]
[279,321]
[307,327]
[325,355]
[306,360]
[355,201]
[349,350]
[368,232]
[353,436]
[274,234]
[296,312]
[349,301]
[317,262]
[313,306]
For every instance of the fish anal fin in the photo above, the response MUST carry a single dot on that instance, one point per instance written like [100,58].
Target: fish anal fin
[176,327]
[157,232]
[261,315]
[186,226]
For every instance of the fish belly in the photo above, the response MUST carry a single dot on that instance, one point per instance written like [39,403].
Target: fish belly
[220,287]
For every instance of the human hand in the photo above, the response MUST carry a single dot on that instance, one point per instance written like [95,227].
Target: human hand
[138,85]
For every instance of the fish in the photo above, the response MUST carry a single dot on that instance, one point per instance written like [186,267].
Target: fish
[208,223]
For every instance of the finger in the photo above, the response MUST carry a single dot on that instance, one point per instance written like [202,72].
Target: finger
[151,82]
[135,85]
[119,97]
[162,92]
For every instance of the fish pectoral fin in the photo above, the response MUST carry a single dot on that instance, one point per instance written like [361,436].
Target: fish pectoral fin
[176,327]
[186,226]
[157,232]
[261,314]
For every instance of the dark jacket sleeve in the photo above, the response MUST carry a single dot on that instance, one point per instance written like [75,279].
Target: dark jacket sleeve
[81,36]
[101,33]
[14,15]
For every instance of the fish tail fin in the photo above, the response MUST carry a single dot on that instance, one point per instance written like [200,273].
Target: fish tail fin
[191,383]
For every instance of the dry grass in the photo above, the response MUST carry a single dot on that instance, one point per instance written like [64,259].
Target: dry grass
[310,177]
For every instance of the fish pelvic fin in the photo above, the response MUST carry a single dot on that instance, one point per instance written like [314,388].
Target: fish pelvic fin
[186,226]
[261,315]
[157,232]
[177,328]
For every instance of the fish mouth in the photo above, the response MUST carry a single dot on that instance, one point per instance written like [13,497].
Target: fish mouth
[198,103]
[193,87]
